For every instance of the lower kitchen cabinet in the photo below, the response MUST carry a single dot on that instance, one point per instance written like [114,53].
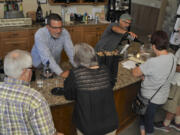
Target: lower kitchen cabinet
[31,38]
[86,33]
[92,34]
[76,33]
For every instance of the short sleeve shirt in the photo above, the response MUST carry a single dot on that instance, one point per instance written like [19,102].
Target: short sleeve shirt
[156,71]
[109,40]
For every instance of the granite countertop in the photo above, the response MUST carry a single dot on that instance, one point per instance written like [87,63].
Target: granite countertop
[124,79]
[48,85]
[14,28]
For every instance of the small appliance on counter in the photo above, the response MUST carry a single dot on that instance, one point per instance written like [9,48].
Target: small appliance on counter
[13,14]
[78,18]
[13,9]
[15,22]
[116,8]
[1,66]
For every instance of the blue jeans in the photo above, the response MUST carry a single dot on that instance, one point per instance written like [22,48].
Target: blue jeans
[146,121]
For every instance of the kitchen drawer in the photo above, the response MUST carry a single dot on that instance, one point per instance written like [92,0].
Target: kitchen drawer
[94,28]
[14,34]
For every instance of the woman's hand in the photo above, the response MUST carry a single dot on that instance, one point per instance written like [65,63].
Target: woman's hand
[137,72]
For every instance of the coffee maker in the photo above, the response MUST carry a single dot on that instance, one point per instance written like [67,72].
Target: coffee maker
[116,8]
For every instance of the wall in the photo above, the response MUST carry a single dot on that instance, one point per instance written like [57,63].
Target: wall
[149,3]
[169,17]
[31,5]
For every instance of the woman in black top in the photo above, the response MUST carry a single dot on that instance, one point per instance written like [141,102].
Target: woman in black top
[90,86]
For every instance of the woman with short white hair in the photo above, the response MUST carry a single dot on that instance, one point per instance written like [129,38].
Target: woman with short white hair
[90,86]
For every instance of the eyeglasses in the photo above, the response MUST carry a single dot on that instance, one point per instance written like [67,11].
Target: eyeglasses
[56,27]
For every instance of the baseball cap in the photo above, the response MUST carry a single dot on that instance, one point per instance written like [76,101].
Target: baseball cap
[126,17]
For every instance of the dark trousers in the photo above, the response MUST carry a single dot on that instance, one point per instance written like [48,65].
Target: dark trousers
[147,120]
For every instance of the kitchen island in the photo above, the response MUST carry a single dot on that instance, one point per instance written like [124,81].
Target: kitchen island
[125,90]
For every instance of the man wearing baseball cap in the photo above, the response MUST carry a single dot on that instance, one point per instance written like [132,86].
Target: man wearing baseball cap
[114,33]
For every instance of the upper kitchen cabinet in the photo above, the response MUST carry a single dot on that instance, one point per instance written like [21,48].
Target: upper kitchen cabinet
[94,1]
[54,2]
[78,2]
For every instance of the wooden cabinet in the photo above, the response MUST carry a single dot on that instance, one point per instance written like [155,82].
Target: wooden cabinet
[31,38]
[86,33]
[92,34]
[14,40]
[76,33]
[62,118]
[76,37]
[77,2]
[94,1]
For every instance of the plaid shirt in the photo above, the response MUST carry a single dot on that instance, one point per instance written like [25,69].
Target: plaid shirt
[23,111]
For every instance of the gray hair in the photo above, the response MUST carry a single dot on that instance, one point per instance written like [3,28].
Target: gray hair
[15,62]
[85,55]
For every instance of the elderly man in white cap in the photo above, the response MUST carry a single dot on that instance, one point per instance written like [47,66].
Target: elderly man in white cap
[114,33]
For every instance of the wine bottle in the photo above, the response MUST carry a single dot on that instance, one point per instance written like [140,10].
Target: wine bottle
[1,66]
[16,6]
[46,18]
[21,6]
[47,71]
[10,6]
[39,13]
[131,38]
[5,6]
